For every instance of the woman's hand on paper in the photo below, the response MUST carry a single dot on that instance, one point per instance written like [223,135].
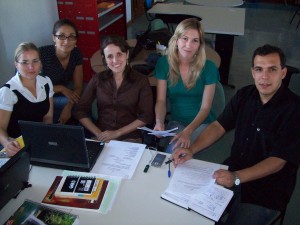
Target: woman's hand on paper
[159,126]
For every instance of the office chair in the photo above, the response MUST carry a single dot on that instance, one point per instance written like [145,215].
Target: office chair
[157,23]
[278,217]
[218,103]
[290,71]
[148,5]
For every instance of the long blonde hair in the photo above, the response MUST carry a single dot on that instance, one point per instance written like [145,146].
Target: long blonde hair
[198,61]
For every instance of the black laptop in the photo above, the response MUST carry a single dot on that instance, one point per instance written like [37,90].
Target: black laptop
[14,176]
[59,146]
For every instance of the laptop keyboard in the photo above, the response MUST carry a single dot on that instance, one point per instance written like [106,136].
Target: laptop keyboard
[93,149]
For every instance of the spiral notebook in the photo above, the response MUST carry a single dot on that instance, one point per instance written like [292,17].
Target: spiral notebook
[59,146]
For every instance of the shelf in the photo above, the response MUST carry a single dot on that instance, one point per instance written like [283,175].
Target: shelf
[109,19]
[93,24]
[102,12]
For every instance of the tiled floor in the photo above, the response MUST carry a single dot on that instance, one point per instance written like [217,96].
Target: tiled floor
[265,23]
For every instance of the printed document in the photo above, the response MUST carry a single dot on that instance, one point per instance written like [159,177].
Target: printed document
[119,158]
[164,133]
[193,187]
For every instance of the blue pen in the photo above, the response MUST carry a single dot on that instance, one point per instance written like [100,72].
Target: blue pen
[169,171]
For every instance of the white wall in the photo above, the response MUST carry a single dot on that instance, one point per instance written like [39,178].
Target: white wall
[128,10]
[23,20]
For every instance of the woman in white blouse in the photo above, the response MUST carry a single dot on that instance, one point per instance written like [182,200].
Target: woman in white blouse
[26,96]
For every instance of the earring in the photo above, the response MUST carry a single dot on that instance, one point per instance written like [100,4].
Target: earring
[127,62]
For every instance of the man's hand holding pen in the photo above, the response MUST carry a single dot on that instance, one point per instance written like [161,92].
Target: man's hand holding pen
[180,155]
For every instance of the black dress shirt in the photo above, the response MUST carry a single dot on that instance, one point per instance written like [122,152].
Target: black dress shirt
[262,131]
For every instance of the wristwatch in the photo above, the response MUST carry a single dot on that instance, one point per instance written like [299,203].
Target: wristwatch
[236,180]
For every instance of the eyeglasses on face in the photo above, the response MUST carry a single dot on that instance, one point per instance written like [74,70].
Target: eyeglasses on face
[64,37]
[27,63]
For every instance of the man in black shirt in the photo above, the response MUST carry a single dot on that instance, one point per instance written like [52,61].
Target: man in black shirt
[265,154]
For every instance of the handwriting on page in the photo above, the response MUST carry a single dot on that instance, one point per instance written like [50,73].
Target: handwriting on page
[212,202]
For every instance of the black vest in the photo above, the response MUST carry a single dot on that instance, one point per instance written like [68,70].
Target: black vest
[26,110]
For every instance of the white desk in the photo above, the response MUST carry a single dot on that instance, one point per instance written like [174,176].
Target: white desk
[215,20]
[138,200]
[216,3]
[224,22]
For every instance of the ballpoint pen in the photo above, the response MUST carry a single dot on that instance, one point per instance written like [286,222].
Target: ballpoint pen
[171,160]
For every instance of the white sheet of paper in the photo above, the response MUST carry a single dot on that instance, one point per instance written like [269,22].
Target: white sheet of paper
[211,202]
[3,161]
[193,187]
[192,176]
[119,158]
[164,133]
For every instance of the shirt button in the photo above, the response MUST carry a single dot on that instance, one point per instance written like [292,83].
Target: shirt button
[247,139]
[258,129]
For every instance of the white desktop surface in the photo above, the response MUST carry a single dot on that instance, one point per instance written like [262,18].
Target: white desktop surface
[217,3]
[216,20]
[138,200]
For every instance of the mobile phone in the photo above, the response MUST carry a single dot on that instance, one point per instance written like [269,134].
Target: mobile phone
[158,160]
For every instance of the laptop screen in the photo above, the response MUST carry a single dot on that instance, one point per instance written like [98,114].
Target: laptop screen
[14,176]
[57,145]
